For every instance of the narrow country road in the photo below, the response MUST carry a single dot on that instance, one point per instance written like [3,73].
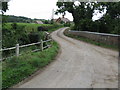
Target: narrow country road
[79,65]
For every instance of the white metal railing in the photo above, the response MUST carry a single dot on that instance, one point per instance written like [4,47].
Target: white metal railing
[17,48]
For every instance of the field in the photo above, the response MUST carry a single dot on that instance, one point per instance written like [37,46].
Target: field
[16,69]
[33,27]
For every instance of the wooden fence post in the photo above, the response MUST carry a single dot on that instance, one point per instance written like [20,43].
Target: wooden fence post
[41,45]
[17,50]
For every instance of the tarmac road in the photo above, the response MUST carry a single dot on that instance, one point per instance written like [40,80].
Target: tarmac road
[79,65]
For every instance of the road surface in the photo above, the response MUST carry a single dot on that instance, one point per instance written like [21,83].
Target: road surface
[79,65]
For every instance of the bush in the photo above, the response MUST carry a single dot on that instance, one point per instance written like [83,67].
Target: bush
[42,28]
[14,25]
[15,34]
[67,24]
[34,37]
[46,22]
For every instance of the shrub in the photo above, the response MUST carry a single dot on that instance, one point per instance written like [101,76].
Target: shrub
[34,37]
[42,28]
[14,25]
[67,24]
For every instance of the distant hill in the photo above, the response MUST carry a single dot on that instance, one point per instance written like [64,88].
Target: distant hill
[20,19]
[12,18]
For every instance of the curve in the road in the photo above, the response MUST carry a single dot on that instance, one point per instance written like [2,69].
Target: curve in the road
[80,65]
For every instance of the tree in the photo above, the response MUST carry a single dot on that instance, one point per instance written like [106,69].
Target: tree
[4,7]
[83,12]
[112,17]
[80,12]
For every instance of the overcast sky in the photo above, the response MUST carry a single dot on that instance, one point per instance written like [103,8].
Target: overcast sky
[41,9]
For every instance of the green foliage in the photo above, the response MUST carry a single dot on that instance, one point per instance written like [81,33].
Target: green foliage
[67,24]
[46,22]
[22,19]
[23,33]
[19,33]
[34,37]
[4,6]
[14,26]
[18,19]
[17,69]
[4,19]
[83,13]
[42,28]
[15,34]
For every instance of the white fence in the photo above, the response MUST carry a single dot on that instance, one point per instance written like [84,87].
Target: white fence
[17,48]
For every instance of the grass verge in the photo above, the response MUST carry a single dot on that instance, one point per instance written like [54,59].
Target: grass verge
[17,69]
[93,42]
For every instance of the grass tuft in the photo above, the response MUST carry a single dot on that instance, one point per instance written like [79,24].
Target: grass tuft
[17,69]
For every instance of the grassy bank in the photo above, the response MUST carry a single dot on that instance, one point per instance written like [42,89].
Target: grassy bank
[16,69]
[92,42]
[22,34]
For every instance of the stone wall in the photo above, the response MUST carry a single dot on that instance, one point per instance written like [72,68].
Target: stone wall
[110,39]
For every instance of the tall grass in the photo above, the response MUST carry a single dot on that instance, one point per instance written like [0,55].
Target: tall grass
[17,69]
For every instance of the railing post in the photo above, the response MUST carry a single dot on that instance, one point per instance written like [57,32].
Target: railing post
[17,50]
[41,45]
